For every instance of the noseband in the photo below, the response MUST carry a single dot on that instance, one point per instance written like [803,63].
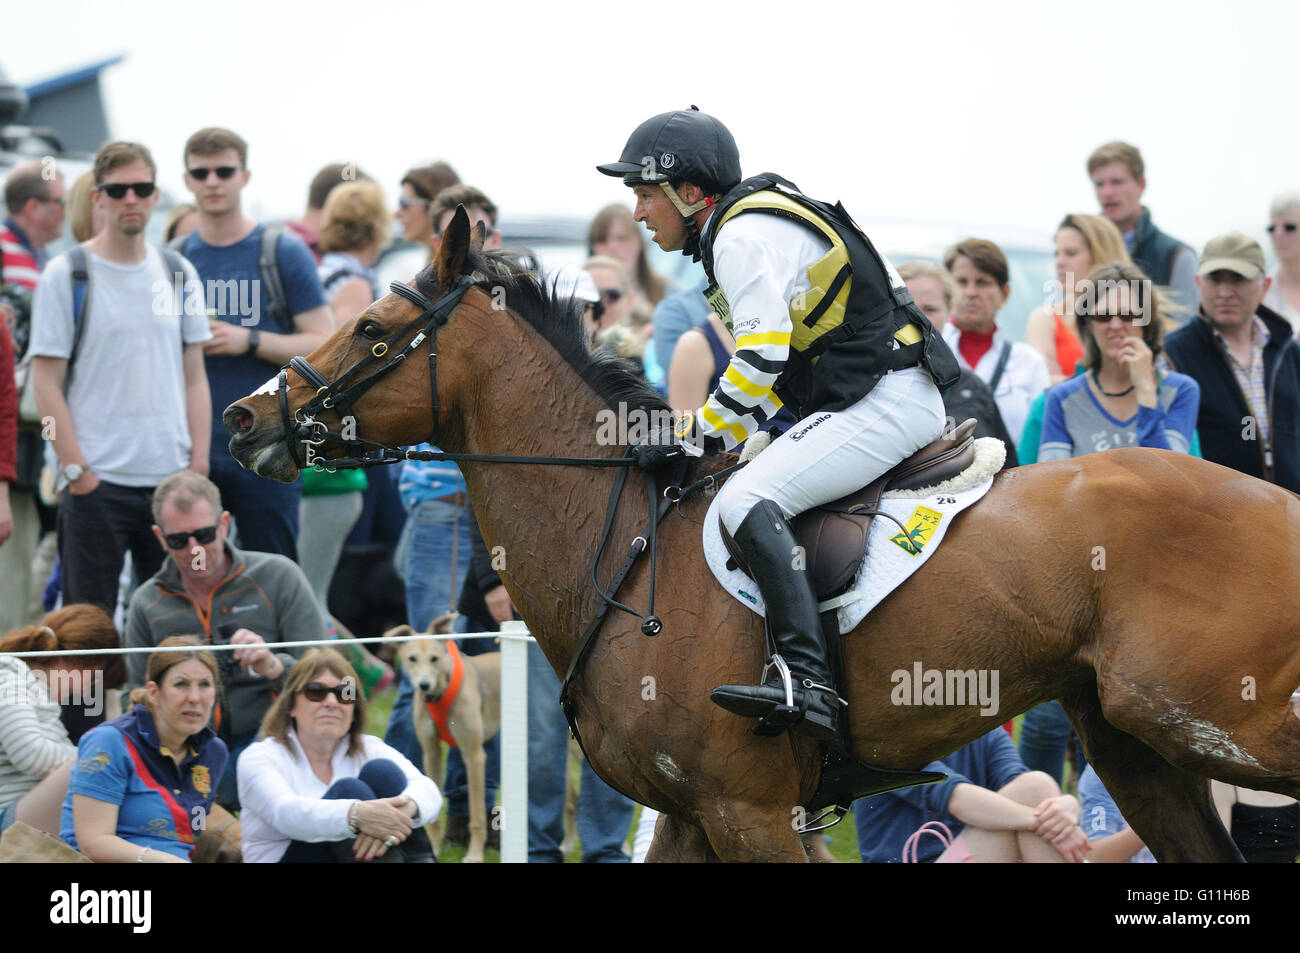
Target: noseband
[339,395]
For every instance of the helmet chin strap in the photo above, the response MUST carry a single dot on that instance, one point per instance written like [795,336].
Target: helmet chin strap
[692,246]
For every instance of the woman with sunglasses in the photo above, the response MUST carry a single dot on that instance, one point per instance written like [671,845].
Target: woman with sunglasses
[315,789]
[1284,229]
[143,784]
[420,186]
[1121,400]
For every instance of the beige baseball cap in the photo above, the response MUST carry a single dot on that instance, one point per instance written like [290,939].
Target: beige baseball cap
[1232,252]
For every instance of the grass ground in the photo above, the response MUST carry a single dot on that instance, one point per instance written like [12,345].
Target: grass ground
[843,839]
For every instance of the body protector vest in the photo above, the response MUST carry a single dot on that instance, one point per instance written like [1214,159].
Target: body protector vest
[845,326]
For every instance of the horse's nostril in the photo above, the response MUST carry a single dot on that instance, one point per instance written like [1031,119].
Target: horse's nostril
[243,421]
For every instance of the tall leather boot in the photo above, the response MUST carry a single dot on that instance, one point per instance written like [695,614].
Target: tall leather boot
[812,706]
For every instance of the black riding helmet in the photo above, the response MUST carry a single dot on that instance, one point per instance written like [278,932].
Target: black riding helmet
[686,145]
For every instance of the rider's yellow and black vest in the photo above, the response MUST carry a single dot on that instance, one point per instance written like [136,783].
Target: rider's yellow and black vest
[844,326]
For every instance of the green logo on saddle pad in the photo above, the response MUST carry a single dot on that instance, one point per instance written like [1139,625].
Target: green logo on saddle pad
[920,528]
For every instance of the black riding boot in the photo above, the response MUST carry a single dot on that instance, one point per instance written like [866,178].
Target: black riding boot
[812,707]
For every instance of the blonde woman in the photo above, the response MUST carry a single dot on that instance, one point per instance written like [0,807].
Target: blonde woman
[1082,243]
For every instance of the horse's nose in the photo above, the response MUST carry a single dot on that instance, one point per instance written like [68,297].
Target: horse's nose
[239,419]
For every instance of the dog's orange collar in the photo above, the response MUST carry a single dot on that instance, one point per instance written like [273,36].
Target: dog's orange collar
[442,707]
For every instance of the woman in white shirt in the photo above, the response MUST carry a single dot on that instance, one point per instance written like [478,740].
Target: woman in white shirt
[315,789]
[35,750]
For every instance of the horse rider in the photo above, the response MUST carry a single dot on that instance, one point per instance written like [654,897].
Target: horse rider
[823,325]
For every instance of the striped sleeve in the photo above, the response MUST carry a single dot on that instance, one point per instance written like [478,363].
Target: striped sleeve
[758,281]
[30,746]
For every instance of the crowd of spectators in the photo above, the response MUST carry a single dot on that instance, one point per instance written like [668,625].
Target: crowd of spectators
[1145,343]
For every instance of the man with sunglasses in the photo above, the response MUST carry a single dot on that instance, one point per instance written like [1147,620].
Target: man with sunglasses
[118,369]
[255,328]
[1247,361]
[229,595]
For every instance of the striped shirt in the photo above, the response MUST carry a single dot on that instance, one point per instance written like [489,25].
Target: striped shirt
[420,481]
[33,741]
[1251,379]
[21,262]
[761,263]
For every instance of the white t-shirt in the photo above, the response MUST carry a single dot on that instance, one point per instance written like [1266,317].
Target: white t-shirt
[1023,379]
[127,396]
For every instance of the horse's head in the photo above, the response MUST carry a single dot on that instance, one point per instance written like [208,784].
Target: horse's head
[374,379]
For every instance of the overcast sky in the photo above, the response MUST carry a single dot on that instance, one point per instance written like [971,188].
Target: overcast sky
[932,111]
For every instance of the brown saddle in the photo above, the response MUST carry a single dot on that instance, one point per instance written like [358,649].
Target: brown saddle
[834,535]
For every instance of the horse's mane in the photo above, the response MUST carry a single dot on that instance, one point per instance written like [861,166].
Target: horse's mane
[558,319]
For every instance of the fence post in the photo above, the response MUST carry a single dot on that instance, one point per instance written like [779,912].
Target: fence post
[514,744]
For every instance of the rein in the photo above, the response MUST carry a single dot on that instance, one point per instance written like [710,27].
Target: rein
[340,394]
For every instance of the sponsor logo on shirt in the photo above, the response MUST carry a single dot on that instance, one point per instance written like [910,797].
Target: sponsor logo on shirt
[91,765]
[236,609]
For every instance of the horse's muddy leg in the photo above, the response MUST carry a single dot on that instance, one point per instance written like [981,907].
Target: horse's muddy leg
[676,842]
[1168,807]
[740,833]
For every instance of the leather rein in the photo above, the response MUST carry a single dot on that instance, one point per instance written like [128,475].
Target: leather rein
[339,395]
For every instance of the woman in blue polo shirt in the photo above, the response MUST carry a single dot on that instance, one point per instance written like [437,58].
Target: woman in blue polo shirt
[143,784]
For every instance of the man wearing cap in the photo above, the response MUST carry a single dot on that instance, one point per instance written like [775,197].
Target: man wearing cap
[1248,365]
[796,282]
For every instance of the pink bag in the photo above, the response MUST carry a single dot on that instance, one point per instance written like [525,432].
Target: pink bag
[955,849]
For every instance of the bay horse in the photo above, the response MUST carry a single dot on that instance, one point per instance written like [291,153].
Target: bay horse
[1155,594]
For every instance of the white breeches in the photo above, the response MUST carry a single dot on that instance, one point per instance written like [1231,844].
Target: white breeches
[828,455]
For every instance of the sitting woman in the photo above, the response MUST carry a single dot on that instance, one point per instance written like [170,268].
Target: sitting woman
[35,750]
[315,789]
[1122,400]
[143,784]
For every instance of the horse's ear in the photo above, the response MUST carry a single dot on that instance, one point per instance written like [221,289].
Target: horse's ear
[453,249]
[478,237]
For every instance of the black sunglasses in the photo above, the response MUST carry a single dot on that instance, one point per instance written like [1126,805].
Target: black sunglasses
[201,536]
[117,190]
[1287,227]
[610,294]
[223,172]
[344,692]
[1105,318]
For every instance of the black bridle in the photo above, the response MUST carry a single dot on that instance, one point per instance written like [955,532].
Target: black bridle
[340,394]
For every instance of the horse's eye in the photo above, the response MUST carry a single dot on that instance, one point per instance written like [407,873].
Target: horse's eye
[371,330]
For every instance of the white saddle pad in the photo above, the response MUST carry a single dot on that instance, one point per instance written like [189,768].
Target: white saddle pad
[891,557]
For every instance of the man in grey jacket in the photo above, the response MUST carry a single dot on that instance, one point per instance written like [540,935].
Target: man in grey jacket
[211,589]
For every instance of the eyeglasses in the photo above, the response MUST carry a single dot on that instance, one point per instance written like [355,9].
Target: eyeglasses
[344,692]
[117,190]
[201,536]
[223,172]
[404,203]
[1287,227]
[610,294]
[1105,318]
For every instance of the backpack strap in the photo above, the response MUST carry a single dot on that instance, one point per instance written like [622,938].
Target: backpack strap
[79,274]
[1002,366]
[269,267]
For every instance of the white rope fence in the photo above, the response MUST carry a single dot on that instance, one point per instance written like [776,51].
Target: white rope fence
[514,636]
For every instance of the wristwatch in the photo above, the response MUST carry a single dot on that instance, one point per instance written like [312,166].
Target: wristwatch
[73,472]
[254,336]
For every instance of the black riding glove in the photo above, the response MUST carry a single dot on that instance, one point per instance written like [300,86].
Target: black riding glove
[658,448]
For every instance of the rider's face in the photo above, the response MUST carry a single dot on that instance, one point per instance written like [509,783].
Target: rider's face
[656,211]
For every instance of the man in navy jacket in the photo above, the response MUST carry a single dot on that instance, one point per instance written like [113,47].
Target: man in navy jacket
[1248,365]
